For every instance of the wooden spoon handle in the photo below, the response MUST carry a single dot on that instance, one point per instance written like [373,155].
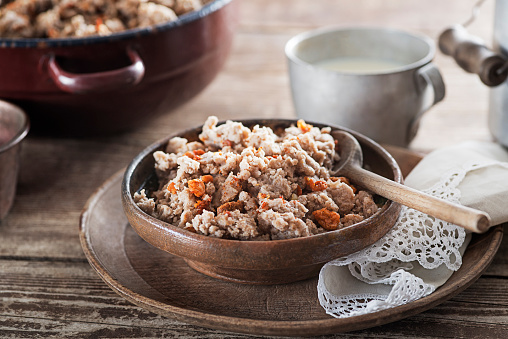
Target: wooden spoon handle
[469,218]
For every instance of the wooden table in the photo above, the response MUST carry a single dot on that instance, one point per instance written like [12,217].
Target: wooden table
[47,287]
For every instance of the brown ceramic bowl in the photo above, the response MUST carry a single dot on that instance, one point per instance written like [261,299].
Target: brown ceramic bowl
[258,262]
[105,84]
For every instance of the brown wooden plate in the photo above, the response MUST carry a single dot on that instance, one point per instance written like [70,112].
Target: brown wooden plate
[165,284]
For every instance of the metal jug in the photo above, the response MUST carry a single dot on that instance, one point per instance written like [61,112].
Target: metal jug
[474,56]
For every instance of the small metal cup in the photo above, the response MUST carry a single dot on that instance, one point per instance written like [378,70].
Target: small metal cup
[385,105]
[14,125]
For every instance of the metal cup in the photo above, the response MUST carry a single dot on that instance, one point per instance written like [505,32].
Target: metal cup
[14,127]
[383,104]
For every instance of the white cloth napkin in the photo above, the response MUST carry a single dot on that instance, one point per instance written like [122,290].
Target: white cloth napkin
[420,253]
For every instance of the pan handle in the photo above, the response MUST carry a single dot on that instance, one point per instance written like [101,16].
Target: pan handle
[100,81]
[473,56]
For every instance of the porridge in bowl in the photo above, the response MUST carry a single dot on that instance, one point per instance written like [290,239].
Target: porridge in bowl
[254,184]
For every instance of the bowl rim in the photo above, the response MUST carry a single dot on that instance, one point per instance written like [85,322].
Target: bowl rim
[23,130]
[328,238]
[184,19]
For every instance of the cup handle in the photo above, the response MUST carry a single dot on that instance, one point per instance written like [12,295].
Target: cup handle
[427,77]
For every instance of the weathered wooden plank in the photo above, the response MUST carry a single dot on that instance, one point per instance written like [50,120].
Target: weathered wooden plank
[56,179]
[67,298]
[14,327]
[499,266]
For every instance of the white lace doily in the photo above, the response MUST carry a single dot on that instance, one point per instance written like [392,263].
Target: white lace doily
[409,262]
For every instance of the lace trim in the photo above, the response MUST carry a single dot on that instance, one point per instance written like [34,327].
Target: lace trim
[408,286]
[416,237]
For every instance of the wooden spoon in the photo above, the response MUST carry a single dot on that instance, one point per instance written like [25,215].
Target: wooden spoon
[350,166]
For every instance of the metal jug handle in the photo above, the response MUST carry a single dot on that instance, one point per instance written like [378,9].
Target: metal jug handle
[427,78]
[471,54]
